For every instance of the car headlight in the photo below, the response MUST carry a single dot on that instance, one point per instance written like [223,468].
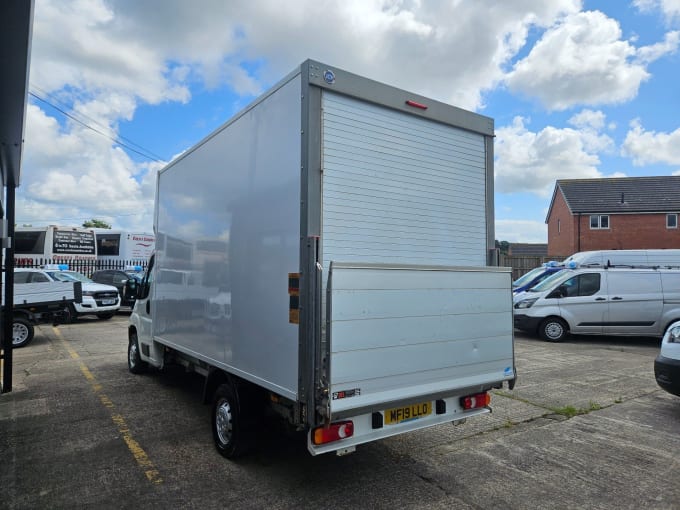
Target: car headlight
[674,335]
[525,303]
[88,293]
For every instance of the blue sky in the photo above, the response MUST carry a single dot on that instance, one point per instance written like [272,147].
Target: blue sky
[578,89]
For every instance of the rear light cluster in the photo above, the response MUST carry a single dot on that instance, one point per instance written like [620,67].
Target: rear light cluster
[475,401]
[333,432]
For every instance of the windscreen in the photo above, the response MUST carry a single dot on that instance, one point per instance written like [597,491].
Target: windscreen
[29,243]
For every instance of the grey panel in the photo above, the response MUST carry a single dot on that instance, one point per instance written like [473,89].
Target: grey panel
[228,234]
[332,78]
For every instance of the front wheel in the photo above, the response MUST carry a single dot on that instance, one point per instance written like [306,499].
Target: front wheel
[553,329]
[227,423]
[22,332]
[135,363]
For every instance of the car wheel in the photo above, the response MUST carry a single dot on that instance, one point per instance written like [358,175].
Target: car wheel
[135,363]
[22,332]
[105,316]
[553,329]
[72,315]
[229,434]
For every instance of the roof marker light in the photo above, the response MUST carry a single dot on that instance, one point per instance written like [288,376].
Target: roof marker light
[416,105]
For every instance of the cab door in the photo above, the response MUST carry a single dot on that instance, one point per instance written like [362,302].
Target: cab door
[582,300]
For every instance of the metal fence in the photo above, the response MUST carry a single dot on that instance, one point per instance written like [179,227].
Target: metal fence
[522,264]
[86,267]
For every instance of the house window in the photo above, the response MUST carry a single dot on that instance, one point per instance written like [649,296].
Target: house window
[559,227]
[599,221]
[672,220]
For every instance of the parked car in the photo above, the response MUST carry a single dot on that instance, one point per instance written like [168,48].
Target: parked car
[667,363]
[125,281]
[100,300]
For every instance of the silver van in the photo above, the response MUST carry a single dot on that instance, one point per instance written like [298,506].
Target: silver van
[657,258]
[600,301]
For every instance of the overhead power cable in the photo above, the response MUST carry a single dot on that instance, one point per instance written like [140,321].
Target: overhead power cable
[146,154]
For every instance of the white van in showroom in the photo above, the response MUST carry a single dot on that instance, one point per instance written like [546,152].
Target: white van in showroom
[600,301]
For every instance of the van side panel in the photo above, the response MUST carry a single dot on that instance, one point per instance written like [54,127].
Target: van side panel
[635,302]
[228,232]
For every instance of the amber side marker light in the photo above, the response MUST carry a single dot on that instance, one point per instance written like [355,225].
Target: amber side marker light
[334,432]
[475,401]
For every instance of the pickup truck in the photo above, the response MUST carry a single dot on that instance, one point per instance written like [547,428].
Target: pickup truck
[38,303]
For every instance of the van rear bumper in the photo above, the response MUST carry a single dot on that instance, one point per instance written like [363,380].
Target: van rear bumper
[667,373]
[526,323]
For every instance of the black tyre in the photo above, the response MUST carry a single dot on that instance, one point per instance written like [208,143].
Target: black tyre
[229,433]
[135,363]
[22,332]
[106,316]
[73,315]
[553,329]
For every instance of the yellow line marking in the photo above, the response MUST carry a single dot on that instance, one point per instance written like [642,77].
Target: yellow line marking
[137,451]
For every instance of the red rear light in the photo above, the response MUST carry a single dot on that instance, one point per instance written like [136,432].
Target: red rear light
[475,401]
[334,432]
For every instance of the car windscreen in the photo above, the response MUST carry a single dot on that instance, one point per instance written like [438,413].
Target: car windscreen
[61,276]
[526,278]
[550,281]
[80,277]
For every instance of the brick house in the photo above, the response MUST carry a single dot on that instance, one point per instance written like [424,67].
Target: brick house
[614,214]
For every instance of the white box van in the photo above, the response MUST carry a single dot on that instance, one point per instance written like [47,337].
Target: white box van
[653,258]
[600,301]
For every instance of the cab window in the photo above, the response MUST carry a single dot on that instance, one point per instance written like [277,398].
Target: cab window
[581,285]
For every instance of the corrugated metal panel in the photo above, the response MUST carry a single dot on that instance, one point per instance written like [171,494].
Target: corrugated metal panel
[401,333]
[400,188]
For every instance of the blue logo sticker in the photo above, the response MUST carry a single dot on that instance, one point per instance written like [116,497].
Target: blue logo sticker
[329,77]
[508,370]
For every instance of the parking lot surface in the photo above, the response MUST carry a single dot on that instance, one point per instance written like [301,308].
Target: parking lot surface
[585,427]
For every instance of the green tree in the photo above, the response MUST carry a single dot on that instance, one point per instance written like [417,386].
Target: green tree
[95,223]
[503,246]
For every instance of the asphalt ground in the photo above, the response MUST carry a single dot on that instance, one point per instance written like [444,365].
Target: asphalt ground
[585,427]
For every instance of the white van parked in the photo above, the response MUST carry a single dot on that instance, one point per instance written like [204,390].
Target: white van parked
[600,301]
[667,363]
[652,258]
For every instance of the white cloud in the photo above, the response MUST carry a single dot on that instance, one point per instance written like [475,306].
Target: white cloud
[584,60]
[521,231]
[77,167]
[646,147]
[529,161]
[104,59]
[669,8]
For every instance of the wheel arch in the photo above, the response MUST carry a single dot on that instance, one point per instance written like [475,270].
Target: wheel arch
[213,380]
[668,325]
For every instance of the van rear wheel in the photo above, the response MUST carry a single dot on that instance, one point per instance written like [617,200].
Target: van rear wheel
[553,329]
[231,434]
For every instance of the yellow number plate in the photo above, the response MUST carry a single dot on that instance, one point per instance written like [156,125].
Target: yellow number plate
[407,413]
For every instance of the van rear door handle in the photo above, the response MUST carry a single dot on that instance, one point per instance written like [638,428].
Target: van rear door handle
[600,299]
[617,298]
